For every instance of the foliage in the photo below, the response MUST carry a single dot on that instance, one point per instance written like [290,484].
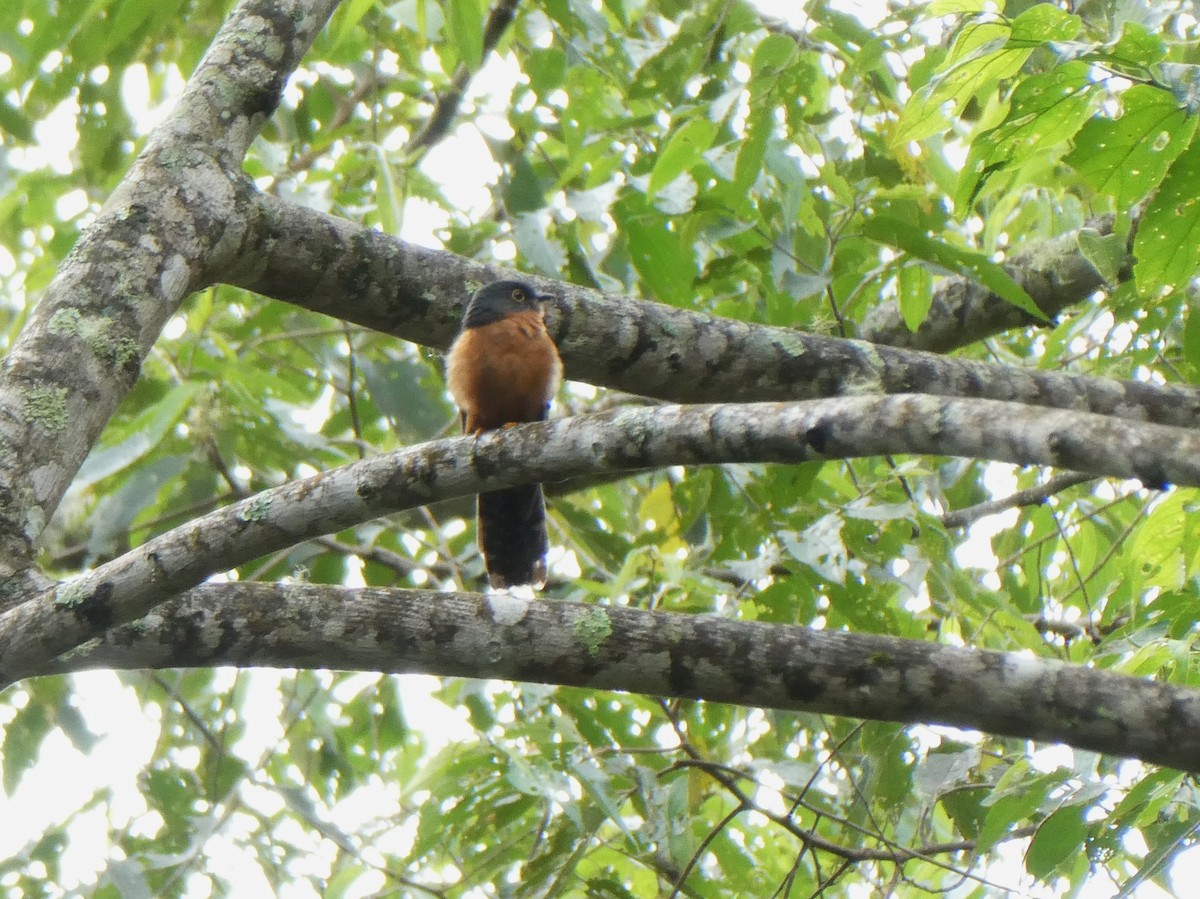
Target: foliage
[702,155]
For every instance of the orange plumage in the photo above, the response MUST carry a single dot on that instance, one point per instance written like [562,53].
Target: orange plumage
[502,369]
[503,373]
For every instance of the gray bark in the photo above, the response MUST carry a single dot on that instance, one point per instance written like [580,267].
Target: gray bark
[628,439]
[332,266]
[173,222]
[695,656]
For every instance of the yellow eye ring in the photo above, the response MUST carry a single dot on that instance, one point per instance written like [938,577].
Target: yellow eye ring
[518,295]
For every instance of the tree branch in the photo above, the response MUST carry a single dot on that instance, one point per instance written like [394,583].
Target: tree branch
[173,220]
[669,654]
[1054,273]
[1031,496]
[332,266]
[128,587]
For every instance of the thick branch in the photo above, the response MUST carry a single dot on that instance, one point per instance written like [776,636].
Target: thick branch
[332,266]
[631,438]
[1054,273]
[695,656]
[173,219]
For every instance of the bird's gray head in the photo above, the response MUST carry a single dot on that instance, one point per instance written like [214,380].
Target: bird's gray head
[501,298]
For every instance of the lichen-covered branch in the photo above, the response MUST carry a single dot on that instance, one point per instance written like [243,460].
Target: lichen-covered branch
[176,217]
[332,266]
[695,656]
[627,439]
[1054,273]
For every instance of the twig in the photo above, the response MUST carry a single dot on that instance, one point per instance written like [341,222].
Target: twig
[446,107]
[1031,496]
[303,161]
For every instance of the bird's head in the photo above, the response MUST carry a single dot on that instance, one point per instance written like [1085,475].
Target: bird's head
[494,301]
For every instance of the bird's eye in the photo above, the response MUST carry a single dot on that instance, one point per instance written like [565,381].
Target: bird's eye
[518,295]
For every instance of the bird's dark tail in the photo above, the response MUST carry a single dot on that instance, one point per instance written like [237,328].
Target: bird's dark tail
[512,535]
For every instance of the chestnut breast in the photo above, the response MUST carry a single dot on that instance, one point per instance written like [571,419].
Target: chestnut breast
[503,372]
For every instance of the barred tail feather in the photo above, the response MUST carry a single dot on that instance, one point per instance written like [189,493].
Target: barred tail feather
[512,535]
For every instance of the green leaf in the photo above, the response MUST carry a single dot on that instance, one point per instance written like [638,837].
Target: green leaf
[124,879]
[1059,839]
[128,18]
[523,190]
[546,254]
[662,258]
[980,56]
[74,725]
[1138,46]
[915,293]
[1105,253]
[1045,111]
[22,738]
[680,839]
[1128,156]
[146,432]
[904,236]
[1156,555]
[683,150]
[599,787]
[117,509]
[1017,796]
[546,69]
[753,149]
[229,771]
[14,124]
[956,7]
[464,21]
[1147,798]
[1191,342]
[821,547]
[1167,242]
[347,18]
[400,388]
[665,72]
[1044,22]
[389,198]
[965,810]
[773,53]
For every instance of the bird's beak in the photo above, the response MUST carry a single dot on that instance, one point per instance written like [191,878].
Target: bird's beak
[545,298]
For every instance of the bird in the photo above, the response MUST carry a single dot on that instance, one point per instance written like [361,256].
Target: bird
[502,369]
